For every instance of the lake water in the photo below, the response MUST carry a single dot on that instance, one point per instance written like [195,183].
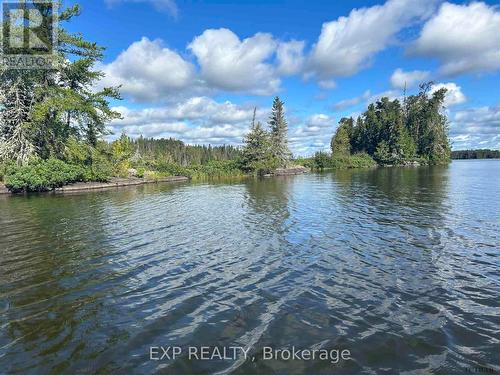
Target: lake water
[401,266]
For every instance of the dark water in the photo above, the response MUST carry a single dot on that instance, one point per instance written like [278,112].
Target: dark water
[399,266]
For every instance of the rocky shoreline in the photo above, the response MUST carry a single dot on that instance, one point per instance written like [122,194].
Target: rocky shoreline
[113,183]
[134,181]
[290,171]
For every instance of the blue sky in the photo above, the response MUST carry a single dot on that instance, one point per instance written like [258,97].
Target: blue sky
[194,70]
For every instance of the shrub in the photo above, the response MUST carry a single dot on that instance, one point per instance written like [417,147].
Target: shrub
[4,167]
[95,162]
[321,160]
[215,168]
[165,168]
[151,175]
[361,160]
[100,168]
[77,152]
[140,172]
[43,175]
[305,162]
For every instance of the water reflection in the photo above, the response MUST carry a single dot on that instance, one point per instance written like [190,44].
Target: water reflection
[386,263]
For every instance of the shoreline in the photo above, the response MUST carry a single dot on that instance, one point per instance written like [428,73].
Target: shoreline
[117,182]
[114,183]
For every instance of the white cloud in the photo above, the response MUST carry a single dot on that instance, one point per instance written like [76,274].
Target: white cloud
[195,120]
[465,38]
[290,57]
[327,84]
[202,110]
[476,128]
[401,79]
[148,71]
[347,103]
[348,44]
[162,5]
[231,64]
[311,134]
[391,94]
[321,120]
[454,94]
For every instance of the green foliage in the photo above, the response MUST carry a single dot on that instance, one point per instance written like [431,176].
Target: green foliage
[43,175]
[166,168]
[340,144]
[212,169]
[475,154]
[257,148]
[395,133]
[152,175]
[141,172]
[278,134]
[100,168]
[265,151]
[305,162]
[257,155]
[94,159]
[321,160]
[40,110]
[361,160]
[175,151]
[382,153]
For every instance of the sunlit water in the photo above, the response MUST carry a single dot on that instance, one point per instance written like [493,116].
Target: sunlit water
[398,265]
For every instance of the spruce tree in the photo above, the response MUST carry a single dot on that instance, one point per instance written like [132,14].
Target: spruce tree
[278,137]
[256,150]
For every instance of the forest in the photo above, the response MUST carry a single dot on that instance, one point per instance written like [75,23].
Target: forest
[413,131]
[53,126]
[475,154]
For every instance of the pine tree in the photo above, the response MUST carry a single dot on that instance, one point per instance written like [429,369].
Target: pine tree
[278,137]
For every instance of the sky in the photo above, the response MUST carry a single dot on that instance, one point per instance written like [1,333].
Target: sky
[194,70]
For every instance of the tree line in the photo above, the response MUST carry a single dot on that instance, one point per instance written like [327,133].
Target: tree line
[475,154]
[176,151]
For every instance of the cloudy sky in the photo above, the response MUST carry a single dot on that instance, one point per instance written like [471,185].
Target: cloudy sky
[194,70]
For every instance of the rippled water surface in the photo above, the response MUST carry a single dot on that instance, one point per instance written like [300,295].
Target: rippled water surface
[400,266]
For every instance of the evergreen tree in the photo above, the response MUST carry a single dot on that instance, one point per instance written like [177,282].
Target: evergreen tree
[340,144]
[278,136]
[392,132]
[382,153]
[59,103]
[256,151]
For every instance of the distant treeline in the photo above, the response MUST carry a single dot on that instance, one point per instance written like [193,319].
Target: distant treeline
[475,154]
[175,151]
